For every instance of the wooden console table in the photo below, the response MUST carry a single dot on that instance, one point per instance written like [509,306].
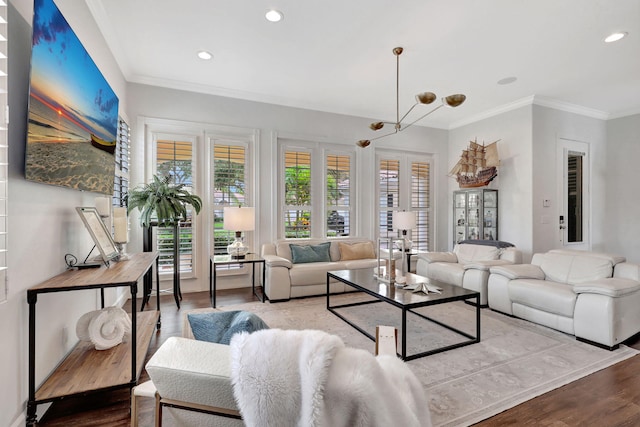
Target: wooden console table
[87,370]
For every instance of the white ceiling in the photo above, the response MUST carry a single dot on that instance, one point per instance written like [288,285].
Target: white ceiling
[336,55]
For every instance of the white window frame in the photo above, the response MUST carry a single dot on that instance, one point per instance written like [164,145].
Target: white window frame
[247,142]
[318,207]
[405,160]
[194,139]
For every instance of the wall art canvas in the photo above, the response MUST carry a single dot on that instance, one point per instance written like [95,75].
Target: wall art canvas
[73,112]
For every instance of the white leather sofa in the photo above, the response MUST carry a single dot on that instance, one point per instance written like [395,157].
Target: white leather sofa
[467,266]
[594,296]
[287,279]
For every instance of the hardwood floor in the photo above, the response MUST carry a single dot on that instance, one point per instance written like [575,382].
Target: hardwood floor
[610,397]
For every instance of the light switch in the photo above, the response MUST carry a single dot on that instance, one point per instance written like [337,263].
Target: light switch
[546,203]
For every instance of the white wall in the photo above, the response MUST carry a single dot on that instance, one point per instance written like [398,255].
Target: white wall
[622,212]
[514,180]
[272,122]
[43,224]
[548,126]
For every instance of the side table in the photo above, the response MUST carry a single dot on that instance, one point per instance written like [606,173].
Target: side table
[217,260]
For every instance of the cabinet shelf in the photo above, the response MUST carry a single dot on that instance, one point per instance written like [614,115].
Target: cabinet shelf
[475,215]
[86,369]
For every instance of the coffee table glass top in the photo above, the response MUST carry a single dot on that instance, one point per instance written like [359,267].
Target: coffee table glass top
[394,294]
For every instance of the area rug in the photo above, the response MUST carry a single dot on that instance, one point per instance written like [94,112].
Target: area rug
[515,361]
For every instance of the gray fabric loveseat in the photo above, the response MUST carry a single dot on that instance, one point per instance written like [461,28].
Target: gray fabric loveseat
[292,271]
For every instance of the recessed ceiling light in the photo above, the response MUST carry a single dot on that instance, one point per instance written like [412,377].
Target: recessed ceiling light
[614,37]
[507,80]
[274,15]
[203,54]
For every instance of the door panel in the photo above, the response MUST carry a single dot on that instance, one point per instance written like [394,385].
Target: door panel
[573,192]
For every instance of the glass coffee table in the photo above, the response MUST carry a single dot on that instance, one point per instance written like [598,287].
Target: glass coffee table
[364,280]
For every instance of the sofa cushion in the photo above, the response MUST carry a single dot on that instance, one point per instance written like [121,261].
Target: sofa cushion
[573,268]
[312,273]
[552,297]
[301,254]
[469,253]
[220,326]
[446,272]
[613,287]
[352,251]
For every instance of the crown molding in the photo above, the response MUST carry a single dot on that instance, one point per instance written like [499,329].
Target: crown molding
[543,102]
[570,108]
[625,113]
[529,100]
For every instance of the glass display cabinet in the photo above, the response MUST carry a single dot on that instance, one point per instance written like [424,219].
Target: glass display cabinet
[475,214]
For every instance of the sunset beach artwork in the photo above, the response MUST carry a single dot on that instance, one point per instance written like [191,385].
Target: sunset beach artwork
[73,112]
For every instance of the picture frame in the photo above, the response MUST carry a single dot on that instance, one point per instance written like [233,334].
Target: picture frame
[99,233]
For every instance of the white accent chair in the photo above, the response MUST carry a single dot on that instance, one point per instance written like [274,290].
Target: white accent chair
[467,265]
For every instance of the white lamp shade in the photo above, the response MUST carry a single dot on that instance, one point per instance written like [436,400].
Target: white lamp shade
[239,219]
[404,220]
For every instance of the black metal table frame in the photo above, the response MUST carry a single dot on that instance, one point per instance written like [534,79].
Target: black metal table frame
[32,299]
[253,261]
[408,308]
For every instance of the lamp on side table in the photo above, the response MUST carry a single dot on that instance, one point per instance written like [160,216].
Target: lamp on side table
[238,219]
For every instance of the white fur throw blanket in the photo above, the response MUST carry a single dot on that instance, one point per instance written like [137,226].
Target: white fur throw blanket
[309,378]
[105,328]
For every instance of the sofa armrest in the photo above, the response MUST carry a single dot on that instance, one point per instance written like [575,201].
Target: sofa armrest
[610,286]
[277,261]
[627,270]
[438,257]
[519,271]
[486,265]
[512,255]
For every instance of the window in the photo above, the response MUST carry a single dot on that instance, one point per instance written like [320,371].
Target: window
[297,194]
[121,184]
[4,152]
[229,188]
[316,189]
[174,158]
[404,184]
[338,190]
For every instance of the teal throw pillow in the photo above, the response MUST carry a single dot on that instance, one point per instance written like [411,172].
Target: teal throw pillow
[220,326]
[310,253]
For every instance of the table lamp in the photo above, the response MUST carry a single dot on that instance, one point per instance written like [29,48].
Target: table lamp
[404,221]
[238,219]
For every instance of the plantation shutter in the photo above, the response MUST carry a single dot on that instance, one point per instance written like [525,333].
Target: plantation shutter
[297,194]
[388,196]
[175,159]
[420,204]
[338,190]
[229,177]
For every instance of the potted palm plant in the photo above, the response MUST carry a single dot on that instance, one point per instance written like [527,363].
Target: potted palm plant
[163,203]
[166,200]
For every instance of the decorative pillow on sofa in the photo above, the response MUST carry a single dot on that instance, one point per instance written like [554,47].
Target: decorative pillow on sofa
[220,326]
[301,254]
[351,251]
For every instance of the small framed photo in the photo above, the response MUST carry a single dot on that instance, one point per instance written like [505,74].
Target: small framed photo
[99,233]
[490,199]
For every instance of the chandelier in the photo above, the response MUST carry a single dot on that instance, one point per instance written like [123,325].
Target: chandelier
[421,98]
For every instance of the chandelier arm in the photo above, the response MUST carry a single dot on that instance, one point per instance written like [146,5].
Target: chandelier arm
[382,136]
[422,117]
[407,113]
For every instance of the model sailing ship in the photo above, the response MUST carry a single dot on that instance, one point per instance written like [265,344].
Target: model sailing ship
[478,165]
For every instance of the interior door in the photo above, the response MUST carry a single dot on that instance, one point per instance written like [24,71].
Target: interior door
[573,193]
